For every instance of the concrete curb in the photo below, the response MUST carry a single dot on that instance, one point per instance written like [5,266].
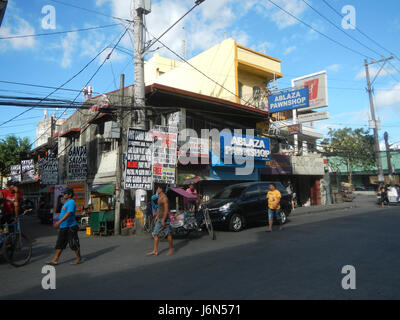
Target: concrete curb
[322,210]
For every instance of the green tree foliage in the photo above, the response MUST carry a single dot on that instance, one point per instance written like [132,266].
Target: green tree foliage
[352,147]
[10,149]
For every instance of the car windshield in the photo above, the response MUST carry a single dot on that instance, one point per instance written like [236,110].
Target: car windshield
[229,193]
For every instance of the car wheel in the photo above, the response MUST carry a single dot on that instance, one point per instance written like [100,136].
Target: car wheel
[236,223]
[283,216]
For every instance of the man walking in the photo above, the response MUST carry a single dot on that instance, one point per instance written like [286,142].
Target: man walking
[274,198]
[162,222]
[68,229]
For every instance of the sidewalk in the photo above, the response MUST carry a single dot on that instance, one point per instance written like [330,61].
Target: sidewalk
[322,208]
[361,200]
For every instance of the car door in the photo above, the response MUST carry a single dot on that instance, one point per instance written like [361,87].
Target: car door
[249,203]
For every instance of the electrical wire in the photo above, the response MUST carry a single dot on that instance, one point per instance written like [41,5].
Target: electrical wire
[89,10]
[95,73]
[317,31]
[58,88]
[358,29]
[198,70]
[57,33]
[152,42]
[341,30]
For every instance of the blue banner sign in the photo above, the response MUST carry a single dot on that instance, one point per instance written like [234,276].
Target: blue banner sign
[244,147]
[289,100]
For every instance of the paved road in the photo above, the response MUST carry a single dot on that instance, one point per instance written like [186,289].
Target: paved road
[302,262]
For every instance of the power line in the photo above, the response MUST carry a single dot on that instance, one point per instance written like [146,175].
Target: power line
[319,32]
[58,88]
[340,29]
[197,69]
[152,42]
[89,10]
[355,27]
[58,32]
[95,73]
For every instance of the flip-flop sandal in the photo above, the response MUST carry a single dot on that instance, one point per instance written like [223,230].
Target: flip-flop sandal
[51,263]
[151,254]
[75,264]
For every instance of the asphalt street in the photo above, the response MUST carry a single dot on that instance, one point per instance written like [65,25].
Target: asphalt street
[302,262]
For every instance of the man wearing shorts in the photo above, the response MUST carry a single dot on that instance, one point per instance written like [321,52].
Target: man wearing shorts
[162,222]
[274,198]
[68,229]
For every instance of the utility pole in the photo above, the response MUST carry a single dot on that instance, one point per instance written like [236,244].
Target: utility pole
[141,7]
[117,221]
[381,177]
[389,159]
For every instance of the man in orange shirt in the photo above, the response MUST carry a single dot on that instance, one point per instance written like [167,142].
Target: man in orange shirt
[274,198]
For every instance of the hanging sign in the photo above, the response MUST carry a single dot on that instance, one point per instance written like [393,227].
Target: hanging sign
[77,163]
[288,100]
[48,170]
[164,156]
[28,170]
[138,173]
[15,173]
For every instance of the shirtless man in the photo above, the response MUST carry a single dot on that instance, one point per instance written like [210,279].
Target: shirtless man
[162,222]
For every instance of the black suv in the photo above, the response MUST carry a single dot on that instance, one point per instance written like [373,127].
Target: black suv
[241,204]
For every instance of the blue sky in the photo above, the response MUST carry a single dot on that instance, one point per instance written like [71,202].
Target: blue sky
[52,60]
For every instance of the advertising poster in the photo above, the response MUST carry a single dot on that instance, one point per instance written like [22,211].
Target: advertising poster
[79,198]
[15,173]
[138,173]
[317,85]
[164,157]
[28,170]
[77,163]
[48,170]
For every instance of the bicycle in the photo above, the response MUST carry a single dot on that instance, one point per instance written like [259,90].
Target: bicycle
[148,224]
[16,246]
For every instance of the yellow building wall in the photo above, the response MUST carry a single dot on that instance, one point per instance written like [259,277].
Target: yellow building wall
[248,81]
[251,57]
[156,66]
[226,64]
[218,63]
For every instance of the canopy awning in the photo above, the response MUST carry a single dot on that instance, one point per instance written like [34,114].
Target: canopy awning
[184,194]
[47,189]
[104,189]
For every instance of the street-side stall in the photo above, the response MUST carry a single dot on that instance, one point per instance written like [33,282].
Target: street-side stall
[102,214]
[185,218]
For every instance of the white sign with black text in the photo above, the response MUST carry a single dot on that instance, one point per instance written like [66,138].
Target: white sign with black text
[77,163]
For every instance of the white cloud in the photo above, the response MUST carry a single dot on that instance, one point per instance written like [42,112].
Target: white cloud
[19,26]
[68,45]
[206,26]
[279,17]
[334,67]
[389,97]
[265,47]
[373,71]
[289,50]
